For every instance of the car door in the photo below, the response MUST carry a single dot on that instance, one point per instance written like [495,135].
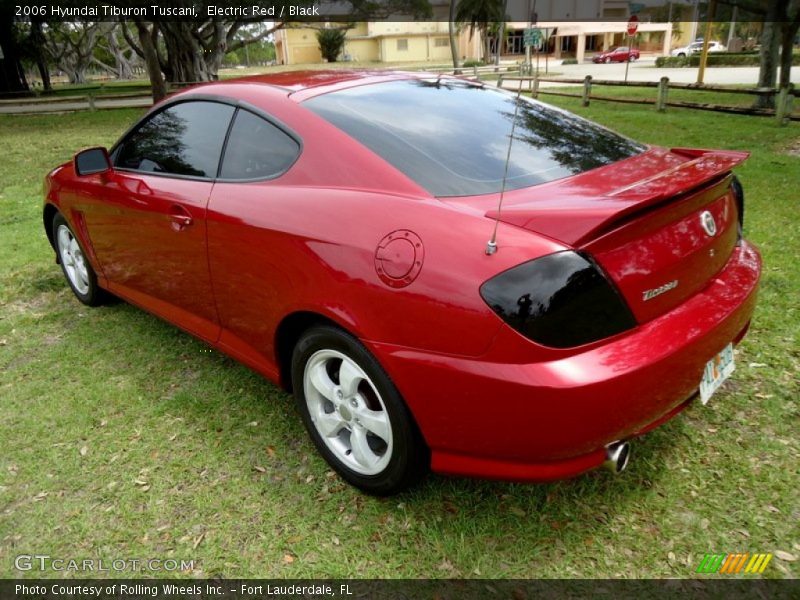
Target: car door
[252,270]
[149,229]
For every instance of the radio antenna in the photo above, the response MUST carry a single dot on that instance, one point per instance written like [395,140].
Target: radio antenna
[491,246]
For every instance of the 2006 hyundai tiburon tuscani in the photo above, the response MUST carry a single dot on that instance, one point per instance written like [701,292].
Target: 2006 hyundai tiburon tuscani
[330,229]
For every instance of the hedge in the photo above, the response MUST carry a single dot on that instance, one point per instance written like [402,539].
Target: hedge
[717,59]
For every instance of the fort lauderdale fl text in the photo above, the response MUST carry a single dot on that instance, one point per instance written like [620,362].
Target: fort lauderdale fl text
[159,11]
[168,590]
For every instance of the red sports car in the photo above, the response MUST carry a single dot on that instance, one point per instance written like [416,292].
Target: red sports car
[621,54]
[330,229]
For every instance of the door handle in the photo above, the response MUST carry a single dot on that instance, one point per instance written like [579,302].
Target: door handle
[181,219]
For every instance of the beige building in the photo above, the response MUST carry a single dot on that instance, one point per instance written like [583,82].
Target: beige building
[391,42]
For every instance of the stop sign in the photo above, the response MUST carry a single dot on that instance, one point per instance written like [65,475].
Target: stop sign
[633,25]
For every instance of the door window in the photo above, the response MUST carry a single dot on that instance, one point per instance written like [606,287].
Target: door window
[183,139]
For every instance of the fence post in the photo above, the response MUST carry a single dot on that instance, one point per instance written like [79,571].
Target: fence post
[475,70]
[587,89]
[663,91]
[535,91]
[783,104]
[500,81]
[92,107]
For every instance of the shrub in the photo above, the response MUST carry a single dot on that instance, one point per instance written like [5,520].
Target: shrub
[717,59]
[569,61]
[330,43]
[473,63]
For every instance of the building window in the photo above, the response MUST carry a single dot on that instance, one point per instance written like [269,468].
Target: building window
[441,42]
[402,45]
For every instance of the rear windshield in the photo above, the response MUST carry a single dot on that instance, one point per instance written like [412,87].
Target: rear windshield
[452,137]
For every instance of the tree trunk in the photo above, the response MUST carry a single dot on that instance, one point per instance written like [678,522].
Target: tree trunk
[186,55]
[37,43]
[770,42]
[148,38]
[501,35]
[452,30]
[77,74]
[787,46]
[123,67]
[12,76]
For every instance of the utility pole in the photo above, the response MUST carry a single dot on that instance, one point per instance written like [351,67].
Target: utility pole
[732,30]
[712,6]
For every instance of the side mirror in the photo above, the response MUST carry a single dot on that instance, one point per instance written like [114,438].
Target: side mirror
[91,161]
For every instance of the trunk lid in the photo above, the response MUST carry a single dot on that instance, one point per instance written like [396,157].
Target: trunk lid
[661,224]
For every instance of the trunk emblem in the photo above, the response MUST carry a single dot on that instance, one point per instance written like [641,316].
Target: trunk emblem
[708,223]
[650,294]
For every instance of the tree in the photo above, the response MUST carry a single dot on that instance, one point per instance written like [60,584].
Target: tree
[781,21]
[72,46]
[480,15]
[452,31]
[790,29]
[188,52]
[35,50]
[148,51]
[501,36]
[331,42]
[192,51]
[12,76]
[119,57]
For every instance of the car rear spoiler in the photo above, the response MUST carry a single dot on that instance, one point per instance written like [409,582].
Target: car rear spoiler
[616,206]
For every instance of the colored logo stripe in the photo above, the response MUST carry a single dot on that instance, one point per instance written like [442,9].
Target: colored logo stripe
[734,563]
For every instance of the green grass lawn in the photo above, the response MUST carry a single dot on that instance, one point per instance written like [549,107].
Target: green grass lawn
[124,437]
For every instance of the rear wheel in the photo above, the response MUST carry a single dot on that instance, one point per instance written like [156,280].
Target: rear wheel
[631,58]
[354,413]
[77,270]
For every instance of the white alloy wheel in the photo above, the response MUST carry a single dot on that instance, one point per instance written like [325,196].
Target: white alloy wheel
[348,412]
[73,259]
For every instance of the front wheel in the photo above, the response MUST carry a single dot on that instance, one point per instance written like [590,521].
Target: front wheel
[607,60]
[354,413]
[77,270]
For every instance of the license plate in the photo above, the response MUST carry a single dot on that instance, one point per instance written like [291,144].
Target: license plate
[718,369]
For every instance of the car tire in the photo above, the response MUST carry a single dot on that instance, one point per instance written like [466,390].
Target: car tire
[682,54]
[606,60]
[631,58]
[77,270]
[355,414]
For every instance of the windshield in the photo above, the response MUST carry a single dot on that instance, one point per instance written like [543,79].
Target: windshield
[452,137]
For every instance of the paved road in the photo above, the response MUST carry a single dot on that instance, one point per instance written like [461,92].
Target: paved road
[645,70]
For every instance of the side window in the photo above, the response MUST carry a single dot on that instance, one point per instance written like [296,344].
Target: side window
[184,139]
[257,149]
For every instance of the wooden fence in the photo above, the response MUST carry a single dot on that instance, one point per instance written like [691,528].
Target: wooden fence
[784,96]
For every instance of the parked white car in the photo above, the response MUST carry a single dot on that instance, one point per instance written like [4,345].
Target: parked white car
[696,48]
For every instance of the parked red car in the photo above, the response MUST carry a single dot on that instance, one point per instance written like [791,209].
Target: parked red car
[329,230]
[620,54]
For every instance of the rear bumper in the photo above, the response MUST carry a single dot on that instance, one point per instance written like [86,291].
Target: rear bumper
[512,415]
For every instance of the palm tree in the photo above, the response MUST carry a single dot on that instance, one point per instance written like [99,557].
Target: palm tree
[480,15]
[452,29]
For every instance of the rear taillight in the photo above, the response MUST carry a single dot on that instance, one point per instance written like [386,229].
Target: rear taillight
[560,300]
[738,194]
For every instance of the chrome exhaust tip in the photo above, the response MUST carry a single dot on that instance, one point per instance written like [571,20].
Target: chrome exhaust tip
[617,456]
